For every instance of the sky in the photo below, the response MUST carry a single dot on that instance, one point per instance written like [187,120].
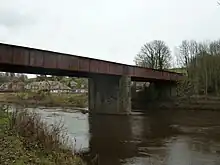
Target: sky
[112,30]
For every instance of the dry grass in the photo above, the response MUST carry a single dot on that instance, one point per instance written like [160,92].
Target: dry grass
[34,142]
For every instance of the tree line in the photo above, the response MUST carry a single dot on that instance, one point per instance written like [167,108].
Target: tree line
[200,61]
[6,77]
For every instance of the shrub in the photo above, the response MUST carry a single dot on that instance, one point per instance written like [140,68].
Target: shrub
[41,142]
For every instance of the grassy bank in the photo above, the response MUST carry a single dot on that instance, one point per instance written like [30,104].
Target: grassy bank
[46,99]
[26,139]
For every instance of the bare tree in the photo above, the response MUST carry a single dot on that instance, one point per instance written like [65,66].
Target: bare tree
[202,62]
[186,52]
[155,54]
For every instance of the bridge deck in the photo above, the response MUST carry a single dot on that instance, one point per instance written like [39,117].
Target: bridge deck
[30,60]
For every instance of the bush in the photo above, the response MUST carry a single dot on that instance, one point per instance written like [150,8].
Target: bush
[40,142]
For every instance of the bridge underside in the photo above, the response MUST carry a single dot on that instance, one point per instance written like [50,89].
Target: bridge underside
[62,72]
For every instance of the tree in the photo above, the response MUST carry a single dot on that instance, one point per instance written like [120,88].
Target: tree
[155,54]
[187,50]
[202,62]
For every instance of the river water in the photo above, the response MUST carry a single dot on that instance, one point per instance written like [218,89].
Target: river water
[154,138]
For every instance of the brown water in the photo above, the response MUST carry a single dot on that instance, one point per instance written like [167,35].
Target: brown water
[156,138]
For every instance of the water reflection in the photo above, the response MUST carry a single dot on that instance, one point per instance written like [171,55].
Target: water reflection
[109,138]
[155,138]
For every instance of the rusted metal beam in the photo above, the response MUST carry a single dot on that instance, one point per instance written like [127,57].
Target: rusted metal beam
[30,57]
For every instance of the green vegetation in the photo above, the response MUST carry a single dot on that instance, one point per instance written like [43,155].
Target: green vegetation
[26,139]
[7,77]
[47,99]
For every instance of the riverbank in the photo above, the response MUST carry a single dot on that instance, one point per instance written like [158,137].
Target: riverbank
[193,103]
[26,139]
[44,99]
[184,103]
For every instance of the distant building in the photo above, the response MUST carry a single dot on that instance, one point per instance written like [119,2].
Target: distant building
[12,86]
[80,90]
[72,84]
[52,86]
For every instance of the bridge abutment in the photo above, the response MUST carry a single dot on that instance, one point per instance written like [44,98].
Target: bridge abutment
[110,94]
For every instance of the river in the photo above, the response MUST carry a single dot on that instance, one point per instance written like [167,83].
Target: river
[154,138]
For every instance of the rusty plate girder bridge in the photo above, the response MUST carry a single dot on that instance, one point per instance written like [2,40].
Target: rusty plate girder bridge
[109,82]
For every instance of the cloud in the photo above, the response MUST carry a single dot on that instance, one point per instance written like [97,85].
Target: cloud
[17,13]
[14,19]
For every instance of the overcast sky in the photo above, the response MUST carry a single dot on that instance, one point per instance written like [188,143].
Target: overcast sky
[111,30]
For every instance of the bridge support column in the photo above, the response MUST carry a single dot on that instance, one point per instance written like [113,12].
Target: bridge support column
[110,94]
[166,90]
[133,89]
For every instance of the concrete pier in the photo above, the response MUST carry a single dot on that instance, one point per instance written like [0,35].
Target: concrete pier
[110,94]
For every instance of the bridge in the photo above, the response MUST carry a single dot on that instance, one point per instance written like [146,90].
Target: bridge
[109,82]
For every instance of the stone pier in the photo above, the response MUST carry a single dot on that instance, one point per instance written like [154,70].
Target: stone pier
[110,94]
